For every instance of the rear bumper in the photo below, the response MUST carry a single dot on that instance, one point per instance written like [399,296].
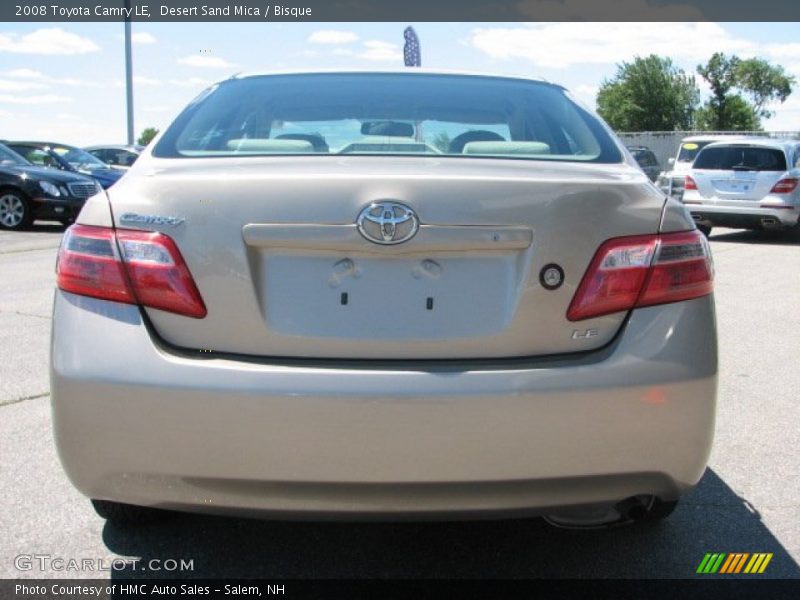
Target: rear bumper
[744,216]
[135,423]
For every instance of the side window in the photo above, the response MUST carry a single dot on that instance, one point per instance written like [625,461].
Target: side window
[652,161]
[99,154]
[37,157]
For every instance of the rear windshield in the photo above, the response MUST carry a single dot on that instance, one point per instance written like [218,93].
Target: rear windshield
[334,114]
[741,158]
[689,150]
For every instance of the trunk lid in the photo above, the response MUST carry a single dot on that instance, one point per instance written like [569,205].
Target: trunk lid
[276,254]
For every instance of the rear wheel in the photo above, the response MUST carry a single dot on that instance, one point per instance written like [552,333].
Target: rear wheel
[704,229]
[127,514]
[15,210]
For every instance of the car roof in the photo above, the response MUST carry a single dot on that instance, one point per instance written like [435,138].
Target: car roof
[33,143]
[134,147]
[712,137]
[398,71]
[778,144]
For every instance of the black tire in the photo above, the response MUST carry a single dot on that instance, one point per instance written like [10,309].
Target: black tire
[704,229]
[127,514]
[16,212]
[660,510]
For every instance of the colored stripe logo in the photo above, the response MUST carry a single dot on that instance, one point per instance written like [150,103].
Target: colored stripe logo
[734,562]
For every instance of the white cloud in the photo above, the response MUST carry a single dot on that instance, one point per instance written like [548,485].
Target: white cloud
[4,113]
[142,37]
[47,41]
[9,85]
[41,99]
[47,80]
[332,36]
[209,62]
[148,81]
[342,52]
[560,45]
[587,94]
[378,50]
[24,74]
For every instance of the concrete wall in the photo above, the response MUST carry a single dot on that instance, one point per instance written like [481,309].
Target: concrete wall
[665,143]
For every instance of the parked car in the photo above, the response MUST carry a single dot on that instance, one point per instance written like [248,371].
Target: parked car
[118,156]
[671,181]
[647,161]
[750,184]
[500,316]
[28,193]
[67,158]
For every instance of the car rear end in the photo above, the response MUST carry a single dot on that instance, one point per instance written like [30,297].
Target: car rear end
[494,314]
[748,184]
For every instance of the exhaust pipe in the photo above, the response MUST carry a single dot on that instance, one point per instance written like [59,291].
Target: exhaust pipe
[632,509]
[769,221]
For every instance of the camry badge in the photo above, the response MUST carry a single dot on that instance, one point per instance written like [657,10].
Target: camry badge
[137,219]
[387,223]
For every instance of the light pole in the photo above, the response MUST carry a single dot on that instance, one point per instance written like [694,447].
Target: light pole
[129,73]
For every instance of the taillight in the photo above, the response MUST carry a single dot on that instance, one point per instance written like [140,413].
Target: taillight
[689,183]
[785,186]
[643,271]
[126,265]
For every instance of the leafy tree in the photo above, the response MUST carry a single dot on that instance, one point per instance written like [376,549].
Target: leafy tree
[731,80]
[648,94]
[736,115]
[764,83]
[147,136]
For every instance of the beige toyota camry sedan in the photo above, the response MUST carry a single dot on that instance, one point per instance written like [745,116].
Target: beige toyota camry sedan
[385,295]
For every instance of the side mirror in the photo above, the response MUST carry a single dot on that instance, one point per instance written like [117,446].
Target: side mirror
[671,161]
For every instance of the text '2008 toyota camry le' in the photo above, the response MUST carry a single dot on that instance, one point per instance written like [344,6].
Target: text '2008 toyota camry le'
[385,295]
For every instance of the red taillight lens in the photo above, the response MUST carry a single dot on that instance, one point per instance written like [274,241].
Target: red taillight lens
[689,184]
[643,271]
[785,186]
[125,265]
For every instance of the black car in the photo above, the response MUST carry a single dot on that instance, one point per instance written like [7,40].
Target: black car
[647,161]
[119,156]
[67,158]
[28,192]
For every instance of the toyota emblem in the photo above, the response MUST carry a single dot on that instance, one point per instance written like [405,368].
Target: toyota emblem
[387,223]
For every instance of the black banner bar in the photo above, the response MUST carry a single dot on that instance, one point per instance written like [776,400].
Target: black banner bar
[464,589]
[397,10]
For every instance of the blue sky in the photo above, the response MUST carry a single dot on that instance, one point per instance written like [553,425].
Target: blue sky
[64,81]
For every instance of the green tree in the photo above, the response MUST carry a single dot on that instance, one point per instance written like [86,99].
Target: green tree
[648,94]
[764,83]
[740,92]
[736,115]
[147,136]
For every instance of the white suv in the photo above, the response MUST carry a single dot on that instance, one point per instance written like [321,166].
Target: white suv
[750,184]
[671,182]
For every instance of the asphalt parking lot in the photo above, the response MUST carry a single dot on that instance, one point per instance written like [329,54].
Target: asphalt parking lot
[748,500]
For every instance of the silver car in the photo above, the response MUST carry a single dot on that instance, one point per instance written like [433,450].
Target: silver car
[750,184]
[385,295]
